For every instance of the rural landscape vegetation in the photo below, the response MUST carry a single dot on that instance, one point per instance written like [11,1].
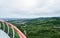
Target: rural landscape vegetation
[48,27]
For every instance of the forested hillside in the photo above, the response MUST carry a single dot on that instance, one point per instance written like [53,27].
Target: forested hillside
[40,27]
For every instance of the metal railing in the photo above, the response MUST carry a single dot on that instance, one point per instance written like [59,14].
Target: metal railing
[11,30]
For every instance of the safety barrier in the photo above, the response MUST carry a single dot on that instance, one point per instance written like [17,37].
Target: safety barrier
[11,30]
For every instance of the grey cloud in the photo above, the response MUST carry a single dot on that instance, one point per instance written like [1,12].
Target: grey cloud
[12,8]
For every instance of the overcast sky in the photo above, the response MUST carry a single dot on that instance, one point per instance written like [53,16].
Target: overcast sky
[29,8]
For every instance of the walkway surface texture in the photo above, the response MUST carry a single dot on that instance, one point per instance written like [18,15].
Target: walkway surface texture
[3,34]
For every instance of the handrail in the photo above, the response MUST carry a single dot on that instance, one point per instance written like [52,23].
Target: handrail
[14,29]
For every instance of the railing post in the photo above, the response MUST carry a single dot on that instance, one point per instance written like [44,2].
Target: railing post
[13,32]
[8,28]
[0,25]
[3,26]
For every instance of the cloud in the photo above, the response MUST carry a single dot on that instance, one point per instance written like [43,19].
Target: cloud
[17,8]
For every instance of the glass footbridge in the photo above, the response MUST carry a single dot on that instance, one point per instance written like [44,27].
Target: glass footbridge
[7,30]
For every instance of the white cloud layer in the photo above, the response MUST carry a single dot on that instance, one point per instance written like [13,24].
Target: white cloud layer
[29,8]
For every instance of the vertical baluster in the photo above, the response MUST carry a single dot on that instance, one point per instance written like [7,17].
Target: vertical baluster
[3,26]
[0,25]
[8,28]
[13,32]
